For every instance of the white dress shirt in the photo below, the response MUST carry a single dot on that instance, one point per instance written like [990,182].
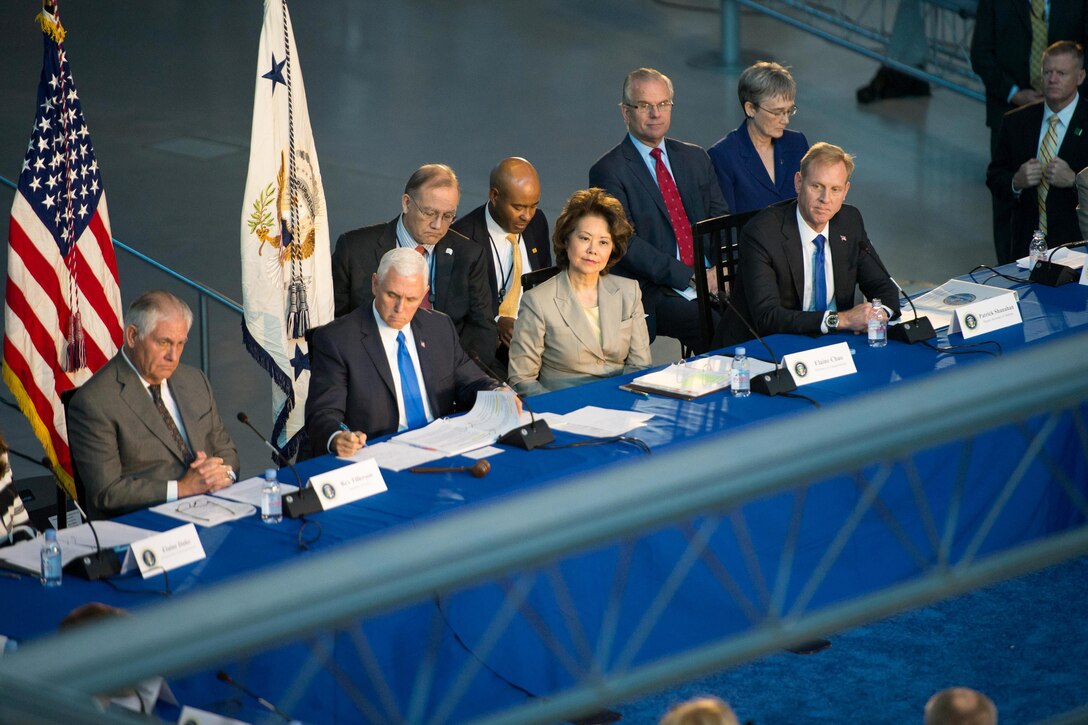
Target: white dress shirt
[502,254]
[389,342]
[807,235]
[172,408]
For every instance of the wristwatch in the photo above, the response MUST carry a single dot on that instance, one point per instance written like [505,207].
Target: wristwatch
[832,320]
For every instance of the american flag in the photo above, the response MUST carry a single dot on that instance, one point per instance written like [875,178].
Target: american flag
[62,309]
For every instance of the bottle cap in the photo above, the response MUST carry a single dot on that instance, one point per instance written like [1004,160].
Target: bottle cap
[740,351]
[876,302]
[50,534]
[270,473]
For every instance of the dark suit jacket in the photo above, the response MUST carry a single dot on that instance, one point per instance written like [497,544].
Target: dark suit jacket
[460,287]
[535,238]
[1017,141]
[742,177]
[1001,45]
[651,252]
[771,279]
[121,446]
[350,380]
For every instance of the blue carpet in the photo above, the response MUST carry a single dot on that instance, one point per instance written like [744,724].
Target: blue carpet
[1022,642]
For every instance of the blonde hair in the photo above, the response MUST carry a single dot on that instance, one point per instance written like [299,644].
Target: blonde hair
[822,153]
[701,711]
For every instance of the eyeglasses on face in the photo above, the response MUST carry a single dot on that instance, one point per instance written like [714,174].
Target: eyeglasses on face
[778,112]
[644,107]
[433,214]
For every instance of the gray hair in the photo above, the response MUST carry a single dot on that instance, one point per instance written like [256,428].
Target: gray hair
[407,263]
[765,79]
[430,175]
[151,308]
[644,74]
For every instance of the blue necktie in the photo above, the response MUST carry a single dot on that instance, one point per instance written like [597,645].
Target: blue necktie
[409,386]
[819,275]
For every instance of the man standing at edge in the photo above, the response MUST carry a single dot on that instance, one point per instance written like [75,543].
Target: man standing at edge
[665,186]
[1040,149]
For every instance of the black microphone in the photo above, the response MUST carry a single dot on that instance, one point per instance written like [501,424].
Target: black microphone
[537,434]
[919,329]
[102,564]
[778,382]
[222,676]
[1054,274]
[297,503]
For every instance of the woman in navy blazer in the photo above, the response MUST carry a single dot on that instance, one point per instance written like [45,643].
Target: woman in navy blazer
[756,163]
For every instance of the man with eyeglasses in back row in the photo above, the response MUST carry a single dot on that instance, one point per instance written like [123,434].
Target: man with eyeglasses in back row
[457,267]
[665,186]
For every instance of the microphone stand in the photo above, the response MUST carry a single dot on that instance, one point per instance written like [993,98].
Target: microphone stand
[774,383]
[296,504]
[537,434]
[919,329]
[103,563]
[1053,274]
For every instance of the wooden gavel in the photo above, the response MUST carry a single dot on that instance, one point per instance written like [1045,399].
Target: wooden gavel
[479,469]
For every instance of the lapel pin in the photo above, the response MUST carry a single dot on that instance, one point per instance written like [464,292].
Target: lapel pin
[423,344]
[842,237]
[1078,131]
[449,251]
[534,250]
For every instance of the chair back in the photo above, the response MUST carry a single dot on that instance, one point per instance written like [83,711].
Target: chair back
[537,276]
[716,247]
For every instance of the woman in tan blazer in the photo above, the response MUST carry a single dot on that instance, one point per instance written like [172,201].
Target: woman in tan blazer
[583,324]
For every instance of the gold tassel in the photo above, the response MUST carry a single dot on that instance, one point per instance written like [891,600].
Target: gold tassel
[51,27]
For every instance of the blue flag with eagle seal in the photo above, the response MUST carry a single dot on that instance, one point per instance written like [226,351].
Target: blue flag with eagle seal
[286,266]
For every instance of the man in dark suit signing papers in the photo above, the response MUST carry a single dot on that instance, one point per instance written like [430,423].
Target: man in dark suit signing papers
[457,268]
[144,429]
[388,366]
[800,261]
[665,186]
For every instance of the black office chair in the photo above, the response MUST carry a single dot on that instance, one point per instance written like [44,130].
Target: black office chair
[716,241]
[537,276]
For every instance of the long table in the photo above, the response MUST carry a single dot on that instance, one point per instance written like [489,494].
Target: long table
[588,612]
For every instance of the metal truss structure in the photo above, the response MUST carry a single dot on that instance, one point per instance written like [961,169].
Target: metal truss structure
[522,566]
[866,27]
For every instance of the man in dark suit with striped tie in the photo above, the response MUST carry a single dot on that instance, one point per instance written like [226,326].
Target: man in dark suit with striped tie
[1040,149]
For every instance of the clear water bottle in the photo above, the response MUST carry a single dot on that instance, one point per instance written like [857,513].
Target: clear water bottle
[51,561]
[1037,249]
[741,382]
[271,502]
[878,325]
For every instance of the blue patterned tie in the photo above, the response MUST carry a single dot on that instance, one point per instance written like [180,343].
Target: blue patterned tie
[409,386]
[819,275]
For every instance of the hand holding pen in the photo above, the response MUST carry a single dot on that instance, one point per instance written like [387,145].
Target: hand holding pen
[347,441]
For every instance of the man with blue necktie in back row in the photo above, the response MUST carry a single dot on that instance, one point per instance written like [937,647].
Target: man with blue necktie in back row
[802,260]
[387,366]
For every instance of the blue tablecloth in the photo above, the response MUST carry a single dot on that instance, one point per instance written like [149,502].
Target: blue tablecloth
[585,610]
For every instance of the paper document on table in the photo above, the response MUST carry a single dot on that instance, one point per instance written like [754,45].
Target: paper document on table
[494,414]
[940,303]
[600,422]
[1068,257]
[74,543]
[394,456]
[204,510]
[249,490]
[695,378]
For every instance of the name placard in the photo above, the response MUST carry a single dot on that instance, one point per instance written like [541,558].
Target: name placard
[193,716]
[348,484]
[1084,274]
[167,551]
[820,363]
[986,315]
